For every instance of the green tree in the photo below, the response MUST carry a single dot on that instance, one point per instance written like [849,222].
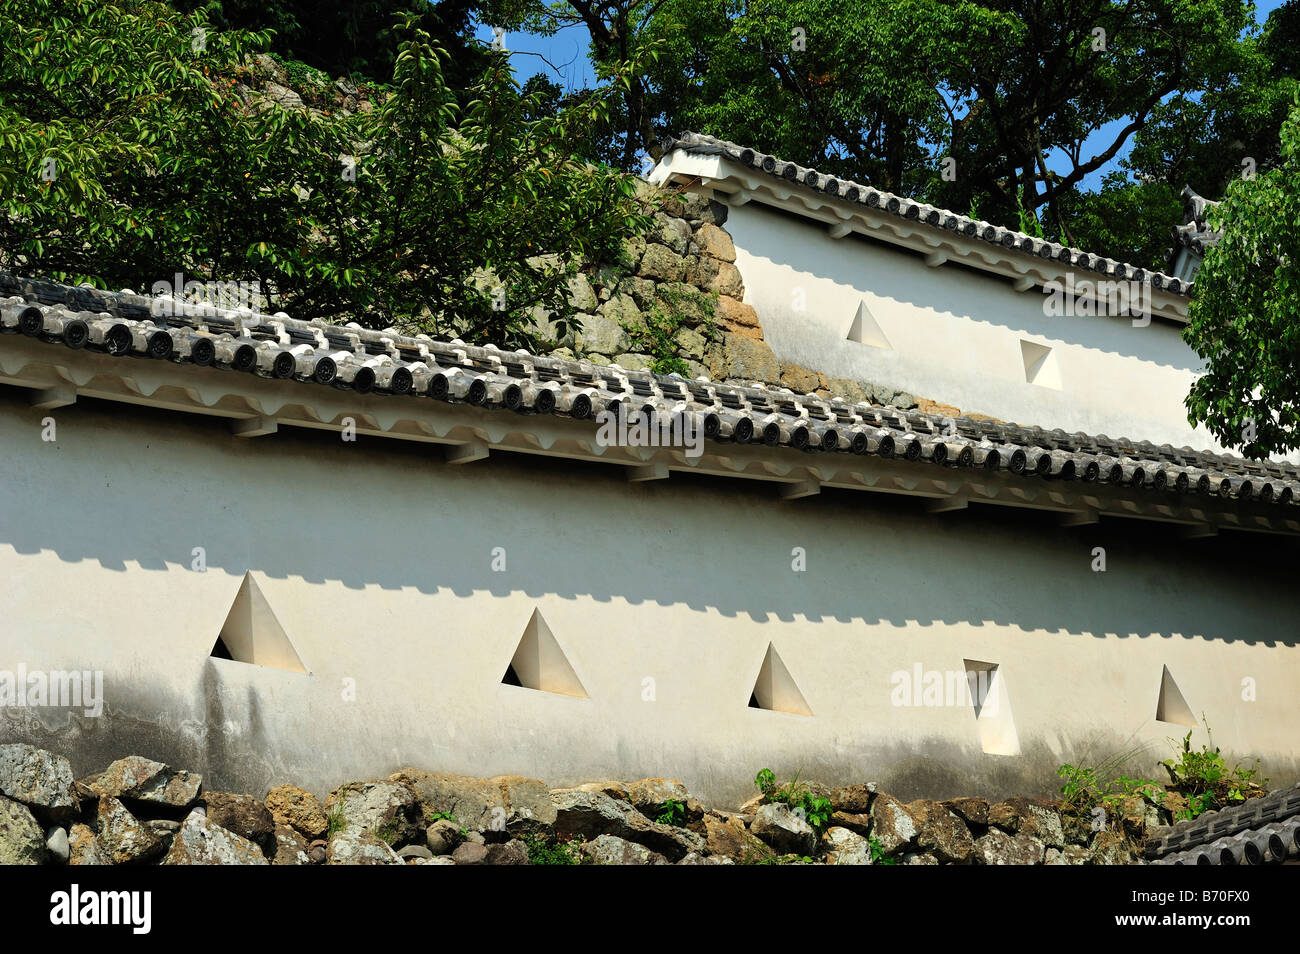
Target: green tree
[354,37]
[1243,318]
[129,152]
[1029,97]
[1201,137]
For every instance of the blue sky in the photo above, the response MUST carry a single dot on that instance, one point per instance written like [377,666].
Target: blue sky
[563,57]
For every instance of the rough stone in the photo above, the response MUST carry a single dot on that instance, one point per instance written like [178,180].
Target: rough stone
[145,780]
[849,390]
[633,249]
[640,290]
[614,789]
[941,833]
[1023,815]
[244,815]
[124,839]
[743,359]
[694,858]
[21,840]
[783,830]
[690,343]
[715,242]
[581,295]
[684,302]
[623,311]
[612,850]
[513,852]
[844,847]
[672,232]
[443,836]
[859,822]
[735,315]
[1071,855]
[727,836]
[727,281]
[649,796]
[298,809]
[56,843]
[199,842]
[470,854]
[926,406]
[662,263]
[388,808]
[290,847]
[919,858]
[164,829]
[800,380]
[358,846]
[517,804]
[592,814]
[1110,848]
[854,799]
[975,811]
[603,334]
[1077,829]
[282,95]
[697,208]
[39,779]
[702,271]
[892,824]
[996,847]
[634,362]
[83,847]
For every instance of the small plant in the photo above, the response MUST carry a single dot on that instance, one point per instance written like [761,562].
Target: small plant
[674,813]
[552,851]
[813,809]
[878,856]
[335,822]
[1205,781]
[1085,787]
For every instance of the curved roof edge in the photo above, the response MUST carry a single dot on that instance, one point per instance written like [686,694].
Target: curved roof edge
[1012,245]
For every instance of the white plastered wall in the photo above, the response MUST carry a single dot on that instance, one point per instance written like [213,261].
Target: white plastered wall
[957,335]
[376,559]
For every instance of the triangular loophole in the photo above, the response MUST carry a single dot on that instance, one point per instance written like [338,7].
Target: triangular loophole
[252,634]
[539,663]
[1040,365]
[992,704]
[1172,706]
[866,330]
[775,689]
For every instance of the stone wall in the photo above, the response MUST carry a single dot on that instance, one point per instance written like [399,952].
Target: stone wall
[685,268]
[139,811]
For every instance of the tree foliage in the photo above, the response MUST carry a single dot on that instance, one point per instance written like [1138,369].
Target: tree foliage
[129,153]
[354,37]
[1031,98]
[1243,316]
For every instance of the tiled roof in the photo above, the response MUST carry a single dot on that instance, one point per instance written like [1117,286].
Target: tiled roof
[1195,232]
[316,354]
[940,219]
[1261,831]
